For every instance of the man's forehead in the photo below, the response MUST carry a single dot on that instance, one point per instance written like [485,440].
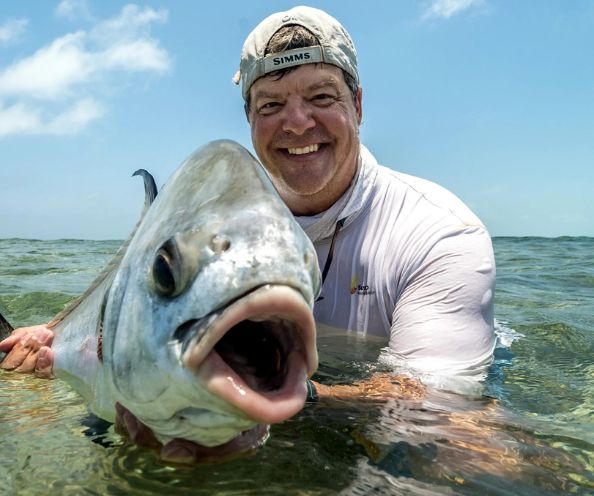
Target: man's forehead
[307,78]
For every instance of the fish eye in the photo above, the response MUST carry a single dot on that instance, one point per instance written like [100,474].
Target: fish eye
[162,272]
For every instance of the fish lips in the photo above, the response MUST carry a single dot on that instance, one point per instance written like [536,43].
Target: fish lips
[256,353]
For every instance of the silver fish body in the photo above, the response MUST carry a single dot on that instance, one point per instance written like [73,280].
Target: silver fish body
[204,330]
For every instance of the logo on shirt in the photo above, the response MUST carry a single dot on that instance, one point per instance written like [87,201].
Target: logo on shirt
[360,289]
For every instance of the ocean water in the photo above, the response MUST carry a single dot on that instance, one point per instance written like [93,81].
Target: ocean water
[529,431]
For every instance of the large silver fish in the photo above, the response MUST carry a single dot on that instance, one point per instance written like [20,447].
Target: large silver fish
[204,329]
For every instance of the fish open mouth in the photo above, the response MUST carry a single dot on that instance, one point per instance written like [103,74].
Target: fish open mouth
[256,353]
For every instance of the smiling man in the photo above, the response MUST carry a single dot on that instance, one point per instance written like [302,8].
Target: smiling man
[402,258]
[305,131]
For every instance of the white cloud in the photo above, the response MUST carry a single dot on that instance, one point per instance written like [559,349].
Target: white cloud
[12,30]
[133,22]
[22,118]
[19,118]
[73,10]
[78,66]
[71,120]
[444,9]
[137,55]
[51,71]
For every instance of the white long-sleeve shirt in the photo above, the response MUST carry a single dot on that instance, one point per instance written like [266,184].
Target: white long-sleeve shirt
[411,263]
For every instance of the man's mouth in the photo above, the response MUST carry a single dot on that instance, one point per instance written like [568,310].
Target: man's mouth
[304,150]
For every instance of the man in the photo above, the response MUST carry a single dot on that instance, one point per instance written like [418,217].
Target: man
[402,258]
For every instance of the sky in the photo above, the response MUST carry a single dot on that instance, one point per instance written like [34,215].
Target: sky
[492,99]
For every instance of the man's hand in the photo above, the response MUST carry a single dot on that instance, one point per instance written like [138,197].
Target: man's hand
[29,351]
[176,451]
[182,451]
[379,387]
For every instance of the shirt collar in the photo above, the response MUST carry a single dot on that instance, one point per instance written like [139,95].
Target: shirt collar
[349,205]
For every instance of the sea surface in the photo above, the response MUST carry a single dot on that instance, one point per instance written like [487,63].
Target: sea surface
[528,431]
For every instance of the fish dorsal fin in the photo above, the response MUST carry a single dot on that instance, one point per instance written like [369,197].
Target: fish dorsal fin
[150,188]
[5,328]
[150,192]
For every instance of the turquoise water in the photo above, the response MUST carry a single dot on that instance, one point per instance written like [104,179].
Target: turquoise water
[531,432]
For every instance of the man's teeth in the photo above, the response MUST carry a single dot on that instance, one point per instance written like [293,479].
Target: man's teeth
[301,151]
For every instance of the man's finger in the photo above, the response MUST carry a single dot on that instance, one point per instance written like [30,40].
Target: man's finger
[140,433]
[38,337]
[27,342]
[16,357]
[127,423]
[45,363]
[28,363]
[34,336]
[16,335]
[179,451]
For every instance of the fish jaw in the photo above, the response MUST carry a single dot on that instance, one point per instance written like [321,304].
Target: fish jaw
[274,314]
[244,367]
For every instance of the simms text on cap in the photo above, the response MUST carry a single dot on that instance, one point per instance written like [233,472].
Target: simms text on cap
[335,46]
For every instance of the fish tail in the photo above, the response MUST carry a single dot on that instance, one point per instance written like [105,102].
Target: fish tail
[150,187]
[5,328]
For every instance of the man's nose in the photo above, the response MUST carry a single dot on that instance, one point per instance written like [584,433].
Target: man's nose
[298,118]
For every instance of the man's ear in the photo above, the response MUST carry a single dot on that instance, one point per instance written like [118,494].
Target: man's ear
[246,109]
[359,105]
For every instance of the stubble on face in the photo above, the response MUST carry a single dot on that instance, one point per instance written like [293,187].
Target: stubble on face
[305,132]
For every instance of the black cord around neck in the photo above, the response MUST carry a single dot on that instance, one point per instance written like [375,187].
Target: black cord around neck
[338,227]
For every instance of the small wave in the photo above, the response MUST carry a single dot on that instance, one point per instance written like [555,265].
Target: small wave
[44,271]
[505,335]
[448,377]
[32,308]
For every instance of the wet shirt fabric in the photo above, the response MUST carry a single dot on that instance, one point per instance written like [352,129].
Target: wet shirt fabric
[411,263]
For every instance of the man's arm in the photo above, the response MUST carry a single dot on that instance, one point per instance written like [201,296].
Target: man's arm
[380,387]
[443,321]
[28,350]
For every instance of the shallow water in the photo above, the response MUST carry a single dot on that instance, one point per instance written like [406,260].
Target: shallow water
[531,432]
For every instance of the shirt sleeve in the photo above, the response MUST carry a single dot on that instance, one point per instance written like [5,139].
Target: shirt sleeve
[443,319]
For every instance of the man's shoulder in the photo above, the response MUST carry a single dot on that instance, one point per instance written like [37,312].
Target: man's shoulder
[428,197]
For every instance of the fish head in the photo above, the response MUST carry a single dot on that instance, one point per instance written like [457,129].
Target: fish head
[208,330]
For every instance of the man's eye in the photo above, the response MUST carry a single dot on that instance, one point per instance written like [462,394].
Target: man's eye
[268,107]
[323,99]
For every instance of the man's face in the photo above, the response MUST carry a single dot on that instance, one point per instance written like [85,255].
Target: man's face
[305,132]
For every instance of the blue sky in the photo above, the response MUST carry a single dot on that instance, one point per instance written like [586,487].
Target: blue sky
[492,99]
